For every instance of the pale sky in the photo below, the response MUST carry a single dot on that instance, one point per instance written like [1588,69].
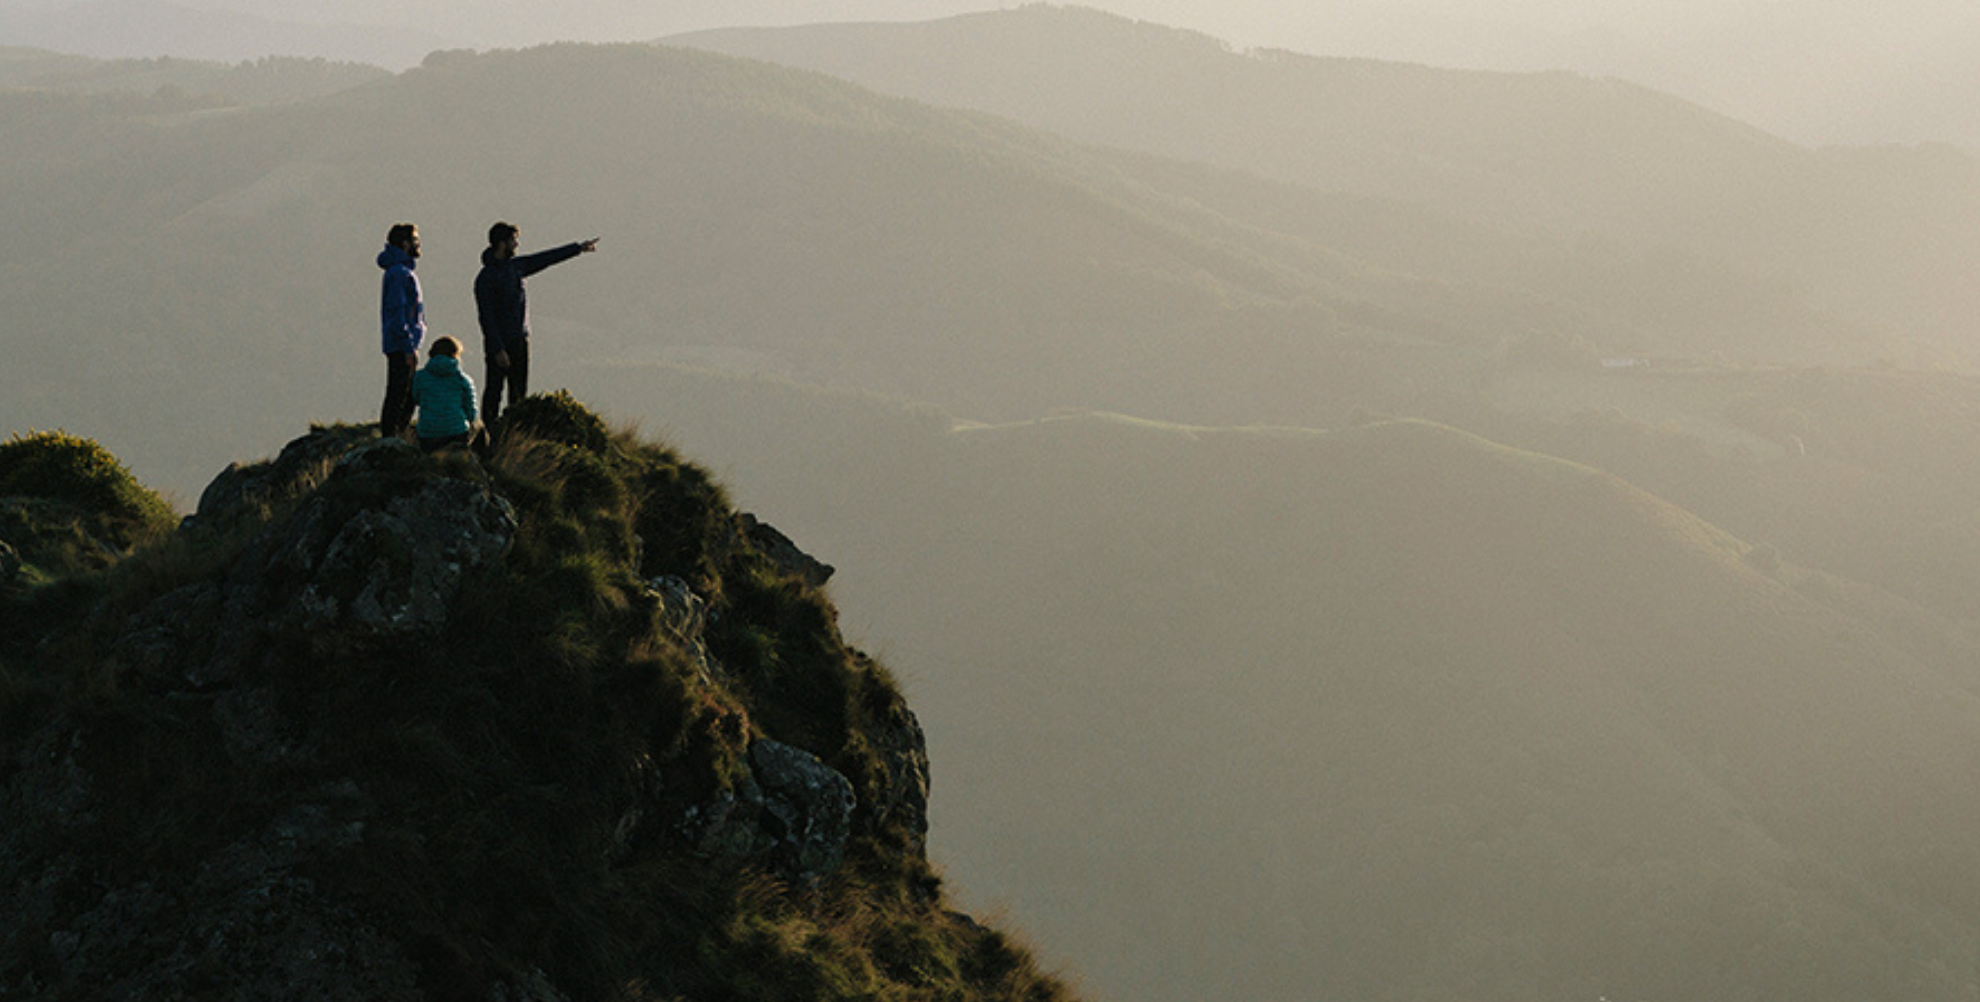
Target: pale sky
[1815,71]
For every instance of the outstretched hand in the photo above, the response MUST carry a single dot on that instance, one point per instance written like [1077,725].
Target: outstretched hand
[588,246]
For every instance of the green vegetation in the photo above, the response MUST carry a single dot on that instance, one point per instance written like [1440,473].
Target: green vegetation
[67,505]
[522,774]
[77,471]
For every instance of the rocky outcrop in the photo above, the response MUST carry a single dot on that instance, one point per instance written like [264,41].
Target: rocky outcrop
[901,800]
[346,574]
[683,618]
[807,808]
[250,903]
[382,574]
[312,587]
[253,488]
[791,811]
[783,553]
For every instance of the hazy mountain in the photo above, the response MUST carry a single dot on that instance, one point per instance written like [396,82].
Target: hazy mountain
[1386,712]
[1818,74]
[1868,233]
[117,29]
[765,219]
[1389,709]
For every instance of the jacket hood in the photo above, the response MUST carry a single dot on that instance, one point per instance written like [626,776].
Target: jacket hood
[392,256]
[488,257]
[443,365]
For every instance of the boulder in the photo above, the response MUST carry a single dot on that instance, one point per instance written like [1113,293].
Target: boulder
[808,808]
[783,553]
[385,573]
[683,617]
[243,489]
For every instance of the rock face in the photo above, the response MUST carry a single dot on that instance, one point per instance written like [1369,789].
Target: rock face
[281,936]
[784,553]
[348,577]
[683,618]
[384,574]
[340,571]
[810,808]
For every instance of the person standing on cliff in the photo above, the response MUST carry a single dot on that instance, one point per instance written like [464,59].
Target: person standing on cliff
[402,319]
[503,308]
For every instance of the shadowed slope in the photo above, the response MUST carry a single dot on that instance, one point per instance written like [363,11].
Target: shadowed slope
[384,726]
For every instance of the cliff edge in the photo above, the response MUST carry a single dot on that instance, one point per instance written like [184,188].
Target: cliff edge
[561,724]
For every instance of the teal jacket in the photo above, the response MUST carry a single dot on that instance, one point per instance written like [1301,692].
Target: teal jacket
[445,396]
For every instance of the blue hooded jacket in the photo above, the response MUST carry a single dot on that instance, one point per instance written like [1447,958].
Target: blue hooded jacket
[445,396]
[401,314]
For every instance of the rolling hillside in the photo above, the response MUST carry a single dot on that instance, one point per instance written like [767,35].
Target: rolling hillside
[1383,713]
[263,81]
[755,218]
[1872,234]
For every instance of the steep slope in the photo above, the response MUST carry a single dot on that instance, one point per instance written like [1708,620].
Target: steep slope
[383,726]
[1868,233]
[1388,712]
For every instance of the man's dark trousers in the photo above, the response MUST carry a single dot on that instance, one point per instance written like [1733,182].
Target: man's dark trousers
[514,378]
[397,412]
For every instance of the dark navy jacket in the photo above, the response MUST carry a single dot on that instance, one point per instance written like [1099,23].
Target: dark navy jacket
[499,299]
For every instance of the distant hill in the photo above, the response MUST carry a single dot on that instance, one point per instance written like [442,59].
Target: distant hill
[1392,708]
[1870,233]
[123,29]
[763,219]
[1383,713]
[263,81]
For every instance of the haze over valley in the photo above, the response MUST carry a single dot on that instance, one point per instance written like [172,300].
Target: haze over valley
[1351,528]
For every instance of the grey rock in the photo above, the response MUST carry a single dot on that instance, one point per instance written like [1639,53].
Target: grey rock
[783,553]
[379,574]
[171,635]
[729,824]
[683,617]
[392,572]
[902,794]
[248,490]
[349,577]
[809,807]
[246,924]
